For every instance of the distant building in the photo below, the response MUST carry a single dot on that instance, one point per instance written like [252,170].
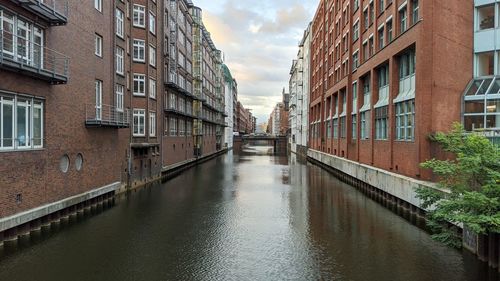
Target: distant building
[231,92]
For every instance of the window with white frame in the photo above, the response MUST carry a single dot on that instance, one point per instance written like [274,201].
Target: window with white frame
[152,56]
[139,117]
[152,23]
[152,88]
[120,60]
[415,8]
[120,26]
[119,97]
[139,15]
[139,50]
[355,60]
[381,123]
[355,30]
[365,125]
[189,128]
[381,42]
[21,123]
[98,5]
[405,120]
[98,99]
[98,45]
[381,107]
[139,84]
[152,124]
[182,127]
[335,128]
[354,127]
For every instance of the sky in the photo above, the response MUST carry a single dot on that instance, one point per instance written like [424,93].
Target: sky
[259,40]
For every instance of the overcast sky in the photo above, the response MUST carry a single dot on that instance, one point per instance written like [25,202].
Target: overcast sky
[259,39]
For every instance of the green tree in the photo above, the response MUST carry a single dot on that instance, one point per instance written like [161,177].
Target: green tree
[470,183]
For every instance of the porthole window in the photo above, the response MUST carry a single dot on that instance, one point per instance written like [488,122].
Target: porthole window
[79,162]
[64,164]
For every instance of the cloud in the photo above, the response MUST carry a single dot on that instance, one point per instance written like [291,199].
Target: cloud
[259,40]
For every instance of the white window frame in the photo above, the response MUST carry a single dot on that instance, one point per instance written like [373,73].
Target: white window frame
[139,128]
[152,55]
[120,89]
[98,99]
[152,124]
[152,23]
[98,5]
[139,16]
[120,60]
[120,26]
[140,47]
[152,88]
[98,45]
[140,90]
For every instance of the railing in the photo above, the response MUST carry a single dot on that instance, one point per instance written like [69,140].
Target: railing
[106,116]
[55,11]
[493,134]
[35,58]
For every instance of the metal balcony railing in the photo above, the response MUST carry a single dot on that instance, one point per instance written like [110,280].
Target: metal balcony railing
[22,55]
[53,11]
[106,116]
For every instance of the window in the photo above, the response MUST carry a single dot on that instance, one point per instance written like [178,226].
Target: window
[372,13]
[482,106]
[98,99]
[182,127]
[355,60]
[328,129]
[119,97]
[152,56]
[381,42]
[335,128]
[98,45]
[366,54]
[343,129]
[355,30]
[139,123]
[354,97]
[139,13]
[120,27]
[189,128]
[21,123]
[381,6]
[98,5]
[354,127]
[139,50]
[381,121]
[415,11]
[120,62]
[172,124]
[485,64]
[402,20]
[365,125]
[356,5]
[366,19]
[371,46]
[152,88]
[486,17]
[139,85]
[152,124]
[405,118]
[407,64]
[389,31]
[152,23]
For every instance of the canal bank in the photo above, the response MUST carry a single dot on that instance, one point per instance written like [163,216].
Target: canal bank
[31,221]
[398,193]
[251,216]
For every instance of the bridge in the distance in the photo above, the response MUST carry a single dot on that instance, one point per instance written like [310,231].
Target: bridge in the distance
[279,143]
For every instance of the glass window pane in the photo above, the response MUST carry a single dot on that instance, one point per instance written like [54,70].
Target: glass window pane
[21,125]
[474,106]
[37,126]
[493,106]
[7,119]
[485,64]
[493,121]
[484,87]
[486,17]
[472,123]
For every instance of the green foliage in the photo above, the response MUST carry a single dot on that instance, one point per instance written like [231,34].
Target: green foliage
[473,181]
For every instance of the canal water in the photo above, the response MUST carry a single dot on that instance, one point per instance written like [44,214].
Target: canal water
[240,217]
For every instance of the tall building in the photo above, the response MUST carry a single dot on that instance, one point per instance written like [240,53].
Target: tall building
[231,92]
[380,79]
[482,96]
[100,96]
[64,119]
[299,96]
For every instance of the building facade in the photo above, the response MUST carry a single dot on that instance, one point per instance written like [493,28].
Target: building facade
[231,97]
[100,96]
[299,96]
[380,79]
[482,96]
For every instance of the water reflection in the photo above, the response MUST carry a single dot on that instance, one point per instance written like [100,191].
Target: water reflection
[252,216]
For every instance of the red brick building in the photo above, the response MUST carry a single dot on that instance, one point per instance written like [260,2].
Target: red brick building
[385,75]
[97,97]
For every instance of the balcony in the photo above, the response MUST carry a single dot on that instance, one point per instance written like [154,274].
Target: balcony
[106,116]
[24,56]
[55,12]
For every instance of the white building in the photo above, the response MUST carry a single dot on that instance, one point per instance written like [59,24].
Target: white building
[299,96]
[231,91]
[482,97]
